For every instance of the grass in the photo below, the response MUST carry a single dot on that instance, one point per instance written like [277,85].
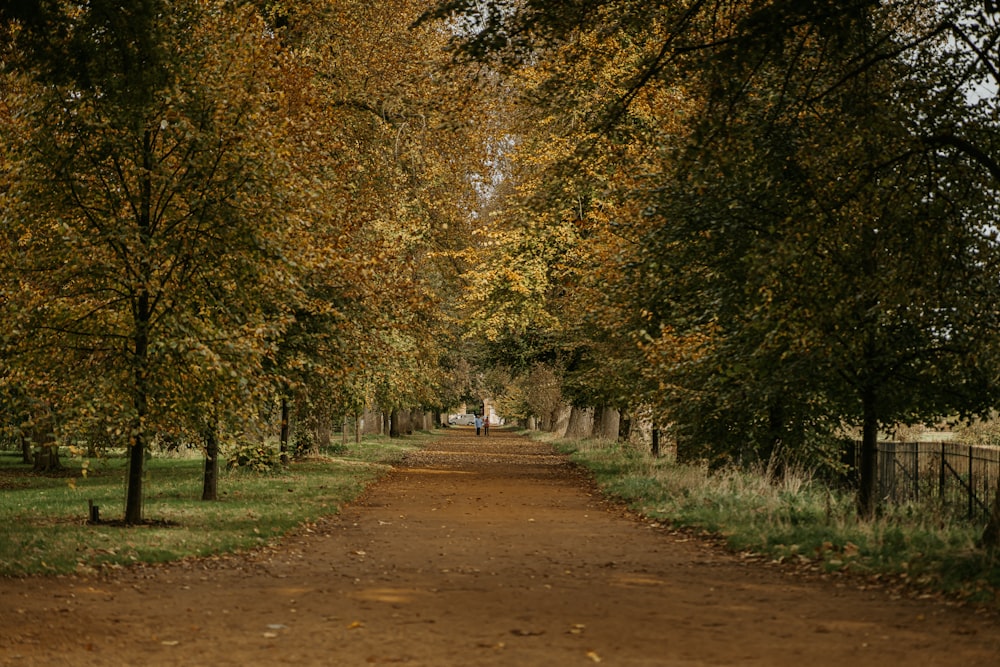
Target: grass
[799,520]
[43,528]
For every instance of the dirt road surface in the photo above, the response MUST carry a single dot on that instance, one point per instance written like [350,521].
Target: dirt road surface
[480,551]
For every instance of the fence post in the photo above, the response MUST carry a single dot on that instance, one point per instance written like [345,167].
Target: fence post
[971,486]
[941,478]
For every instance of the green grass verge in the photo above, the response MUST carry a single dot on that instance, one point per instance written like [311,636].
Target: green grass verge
[798,519]
[43,528]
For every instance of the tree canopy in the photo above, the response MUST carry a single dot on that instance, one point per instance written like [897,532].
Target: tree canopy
[760,225]
[207,203]
[788,208]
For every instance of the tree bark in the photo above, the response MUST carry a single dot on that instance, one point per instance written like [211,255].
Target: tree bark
[560,420]
[136,463]
[610,423]
[772,455]
[25,449]
[624,426]
[596,425]
[394,417]
[416,422]
[374,422]
[139,440]
[990,539]
[686,451]
[547,422]
[210,485]
[285,430]
[322,435]
[46,458]
[142,319]
[581,423]
[869,452]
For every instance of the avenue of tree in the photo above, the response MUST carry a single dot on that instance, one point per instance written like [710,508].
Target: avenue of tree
[209,207]
[755,225]
[764,224]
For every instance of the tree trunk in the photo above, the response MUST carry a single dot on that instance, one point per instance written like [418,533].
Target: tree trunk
[610,423]
[869,451]
[322,435]
[210,485]
[560,420]
[625,426]
[686,451]
[285,430]
[46,458]
[771,454]
[546,422]
[596,427]
[990,539]
[142,318]
[26,456]
[372,422]
[136,462]
[139,440]
[394,416]
[581,423]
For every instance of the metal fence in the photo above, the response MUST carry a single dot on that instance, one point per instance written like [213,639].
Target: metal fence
[961,478]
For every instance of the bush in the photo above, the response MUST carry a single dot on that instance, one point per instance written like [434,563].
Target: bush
[252,456]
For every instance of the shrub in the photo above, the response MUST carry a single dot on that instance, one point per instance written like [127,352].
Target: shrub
[252,456]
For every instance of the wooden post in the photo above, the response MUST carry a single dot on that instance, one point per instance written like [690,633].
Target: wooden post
[971,487]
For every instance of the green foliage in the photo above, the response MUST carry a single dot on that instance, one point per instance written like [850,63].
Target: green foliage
[766,221]
[251,456]
[42,518]
[204,206]
[981,432]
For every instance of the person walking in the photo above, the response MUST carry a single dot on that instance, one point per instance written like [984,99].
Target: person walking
[479,424]
[486,425]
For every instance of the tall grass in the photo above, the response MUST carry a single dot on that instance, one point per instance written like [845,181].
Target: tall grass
[797,518]
[43,519]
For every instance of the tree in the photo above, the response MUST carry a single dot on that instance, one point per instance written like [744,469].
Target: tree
[143,229]
[799,260]
[548,284]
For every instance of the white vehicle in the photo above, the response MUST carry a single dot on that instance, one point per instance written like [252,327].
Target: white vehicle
[467,419]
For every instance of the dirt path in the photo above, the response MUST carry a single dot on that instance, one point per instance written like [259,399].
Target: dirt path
[481,551]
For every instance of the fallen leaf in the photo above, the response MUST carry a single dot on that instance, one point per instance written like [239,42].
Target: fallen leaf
[593,656]
[527,633]
[355,625]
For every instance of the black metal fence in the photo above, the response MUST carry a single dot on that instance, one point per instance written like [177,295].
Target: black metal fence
[962,479]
